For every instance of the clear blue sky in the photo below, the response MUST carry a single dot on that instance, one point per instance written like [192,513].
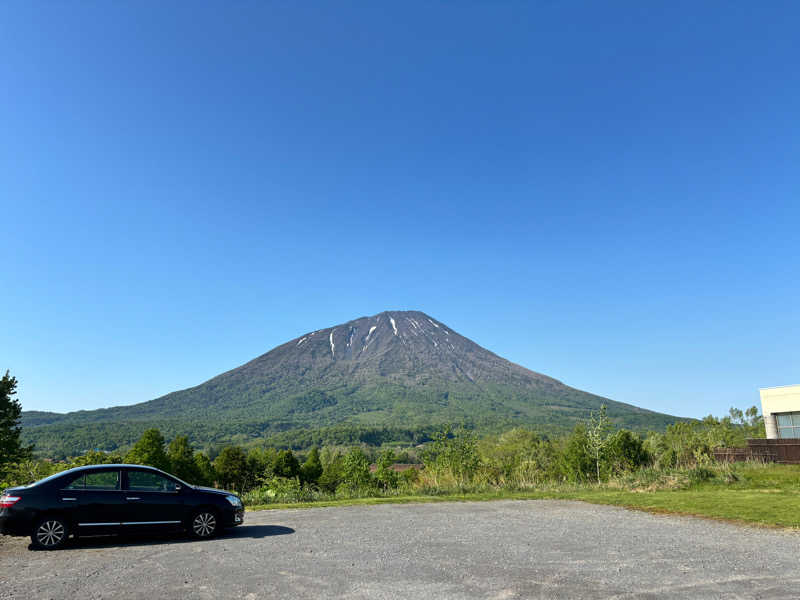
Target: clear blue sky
[605,192]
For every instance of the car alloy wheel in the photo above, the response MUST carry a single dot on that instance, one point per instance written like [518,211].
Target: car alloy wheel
[204,524]
[50,533]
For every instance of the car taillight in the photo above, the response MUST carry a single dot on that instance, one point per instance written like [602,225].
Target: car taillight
[9,501]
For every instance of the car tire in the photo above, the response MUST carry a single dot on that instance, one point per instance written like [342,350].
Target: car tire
[204,524]
[50,533]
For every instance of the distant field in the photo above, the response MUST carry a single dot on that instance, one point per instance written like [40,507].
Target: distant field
[763,495]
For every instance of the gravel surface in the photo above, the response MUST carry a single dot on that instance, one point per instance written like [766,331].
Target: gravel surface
[493,550]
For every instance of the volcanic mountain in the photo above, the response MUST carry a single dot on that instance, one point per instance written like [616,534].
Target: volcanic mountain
[395,375]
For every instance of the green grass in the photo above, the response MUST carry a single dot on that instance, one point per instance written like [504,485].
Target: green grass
[778,509]
[763,495]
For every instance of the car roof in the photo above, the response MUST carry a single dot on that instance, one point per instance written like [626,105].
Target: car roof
[85,468]
[110,466]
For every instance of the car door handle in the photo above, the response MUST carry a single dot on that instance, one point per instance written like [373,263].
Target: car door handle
[69,499]
[132,498]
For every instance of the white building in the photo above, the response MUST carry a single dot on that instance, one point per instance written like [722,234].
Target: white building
[781,409]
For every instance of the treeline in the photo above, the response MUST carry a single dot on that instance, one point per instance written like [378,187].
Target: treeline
[451,461]
[60,441]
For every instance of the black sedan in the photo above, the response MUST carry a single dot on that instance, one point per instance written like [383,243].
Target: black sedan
[109,499]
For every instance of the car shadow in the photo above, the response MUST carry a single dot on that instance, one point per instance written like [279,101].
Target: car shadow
[152,539]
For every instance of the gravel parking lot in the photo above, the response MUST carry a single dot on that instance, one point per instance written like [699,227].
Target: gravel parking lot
[495,550]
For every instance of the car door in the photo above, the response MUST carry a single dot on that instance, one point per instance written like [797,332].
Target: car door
[98,501]
[152,500]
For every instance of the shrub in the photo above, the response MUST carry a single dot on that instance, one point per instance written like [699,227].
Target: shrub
[578,464]
[453,457]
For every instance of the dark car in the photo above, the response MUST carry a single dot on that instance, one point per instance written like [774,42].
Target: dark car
[110,499]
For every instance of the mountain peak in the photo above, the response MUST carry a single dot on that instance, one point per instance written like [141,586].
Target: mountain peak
[375,335]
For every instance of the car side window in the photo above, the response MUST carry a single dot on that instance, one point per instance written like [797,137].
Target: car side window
[144,481]
[96,480]
[78,483]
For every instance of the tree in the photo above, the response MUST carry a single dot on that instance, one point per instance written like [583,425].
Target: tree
[181,459]
[149,450]
[355,471]
[231,467]
[96,457]
[27,471]
[509,451]
[312,469]
[386,476]
[577,459]
[205,470]
[11,449]
[751,422]
[453,454]
[286,465]
[332,471]
[624,452]
[259,464]
[598,431]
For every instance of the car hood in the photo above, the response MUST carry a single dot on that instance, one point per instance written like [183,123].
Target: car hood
[213,490]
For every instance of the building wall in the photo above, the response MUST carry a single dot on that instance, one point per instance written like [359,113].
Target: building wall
[778,400]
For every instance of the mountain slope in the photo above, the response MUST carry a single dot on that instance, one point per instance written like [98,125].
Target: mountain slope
[398,370]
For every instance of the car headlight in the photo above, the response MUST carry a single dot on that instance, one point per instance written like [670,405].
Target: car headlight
[234,500]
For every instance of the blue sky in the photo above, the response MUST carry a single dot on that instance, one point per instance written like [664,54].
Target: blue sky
[607,193]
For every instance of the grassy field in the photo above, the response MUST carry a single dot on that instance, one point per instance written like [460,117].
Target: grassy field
[765,495]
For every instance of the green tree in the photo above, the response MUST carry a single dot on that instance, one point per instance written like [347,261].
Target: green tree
[751,422]
[520,457]
[355,471]
[96,457]
[181,460]
[11,449]
[332,473]
[509,451]
[205,470]
[149,450]
[680,444]
[259,464]
[624,451]
[386,476]
[312,469]
[453,454]
[231,468]
[27,471]
[577,459]
[286,465]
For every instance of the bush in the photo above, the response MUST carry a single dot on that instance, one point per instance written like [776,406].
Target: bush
[578,464]
[453,457]
[279,490]
[356,479]
[700,474]
[624,452]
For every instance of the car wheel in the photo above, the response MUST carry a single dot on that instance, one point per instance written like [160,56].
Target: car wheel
[50,533]
[204,524]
